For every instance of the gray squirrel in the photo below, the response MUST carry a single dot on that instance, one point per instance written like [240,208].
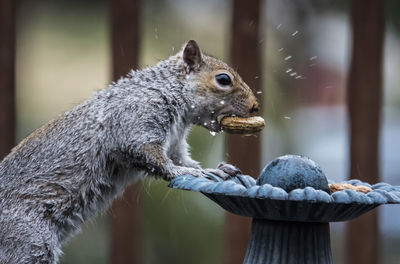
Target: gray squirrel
[73,167]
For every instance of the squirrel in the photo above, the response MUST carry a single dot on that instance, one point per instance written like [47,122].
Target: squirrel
[74,166]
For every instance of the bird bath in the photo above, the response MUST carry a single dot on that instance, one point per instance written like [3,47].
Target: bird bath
[291,206]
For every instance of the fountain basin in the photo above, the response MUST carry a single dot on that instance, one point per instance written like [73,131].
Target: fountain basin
[291,206]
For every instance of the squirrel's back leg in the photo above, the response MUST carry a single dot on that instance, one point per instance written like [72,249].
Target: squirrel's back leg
[23,243]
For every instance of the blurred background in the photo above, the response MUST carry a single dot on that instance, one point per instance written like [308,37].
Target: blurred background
[63,55]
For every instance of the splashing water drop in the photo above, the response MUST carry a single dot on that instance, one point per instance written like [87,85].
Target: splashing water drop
[222,102]
[279,26]
[289,70]
[313,58]
[281,49]
[205,123]
[293,74]
[298,77]
[288,57]
[259,92]
[192,106]
[295,33]
[287,117]
[155,33]
[213,133]
[256,77]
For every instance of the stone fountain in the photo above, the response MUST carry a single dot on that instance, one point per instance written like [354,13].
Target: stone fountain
[291,205]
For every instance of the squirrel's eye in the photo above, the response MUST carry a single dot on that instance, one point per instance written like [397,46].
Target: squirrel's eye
[223,79]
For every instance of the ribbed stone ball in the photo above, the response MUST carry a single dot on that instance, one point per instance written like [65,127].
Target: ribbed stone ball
[291,172]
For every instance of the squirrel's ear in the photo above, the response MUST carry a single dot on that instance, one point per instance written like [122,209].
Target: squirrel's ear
[192,55]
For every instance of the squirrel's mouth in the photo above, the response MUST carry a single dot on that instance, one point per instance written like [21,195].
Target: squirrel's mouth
[214,125]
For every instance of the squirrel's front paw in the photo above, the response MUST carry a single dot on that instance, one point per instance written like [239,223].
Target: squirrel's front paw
[229,169]
[224,171]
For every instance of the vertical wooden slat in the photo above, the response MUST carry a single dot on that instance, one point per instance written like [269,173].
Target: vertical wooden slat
[125,224]
[244,152]
[364,105]
[7,76]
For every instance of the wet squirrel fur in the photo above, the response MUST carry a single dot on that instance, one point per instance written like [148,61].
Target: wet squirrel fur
[73,167]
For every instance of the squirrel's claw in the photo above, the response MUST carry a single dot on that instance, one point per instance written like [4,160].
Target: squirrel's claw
[229,169]
[216,174]
[223,171]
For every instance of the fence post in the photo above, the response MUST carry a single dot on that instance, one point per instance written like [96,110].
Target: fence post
[125,224]
[364,104]
[7,76]
[244,152]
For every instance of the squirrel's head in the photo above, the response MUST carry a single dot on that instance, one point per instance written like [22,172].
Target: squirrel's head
[220,91]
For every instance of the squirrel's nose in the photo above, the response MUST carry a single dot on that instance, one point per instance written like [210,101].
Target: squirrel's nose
[255,108]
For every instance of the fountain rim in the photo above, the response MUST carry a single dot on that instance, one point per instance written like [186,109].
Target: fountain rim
[245,186]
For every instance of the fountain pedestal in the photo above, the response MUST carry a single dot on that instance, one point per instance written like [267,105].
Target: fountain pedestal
[288,242]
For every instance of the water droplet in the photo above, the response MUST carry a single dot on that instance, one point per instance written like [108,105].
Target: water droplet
[312,64]
[289,70]
[212,112]
[279,26]
[205,124]
[288,57]
[155,33]
[259,92]
[187,77]
[213,133]
[298,77]
[198,117]
[222,102]
[313,58]
[173,48]
[295,33]
[287,117]
[256,77]
[212,121]
[293,74]
[192,106]
[281,49]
